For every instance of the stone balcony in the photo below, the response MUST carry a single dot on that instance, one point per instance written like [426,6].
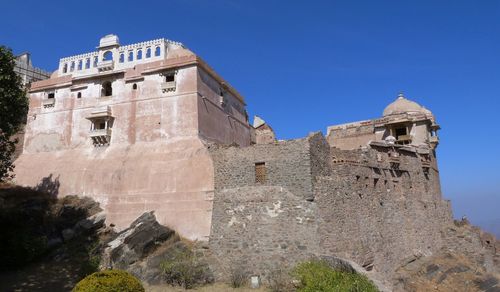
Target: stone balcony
[105,65]
[100,137]
[168,86]
[50,102]
[404,139]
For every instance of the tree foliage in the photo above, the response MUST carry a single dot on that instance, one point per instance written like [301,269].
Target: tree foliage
[13,110]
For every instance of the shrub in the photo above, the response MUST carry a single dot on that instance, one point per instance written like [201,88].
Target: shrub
[184,268]
[237,276]
[109,281]
[317,276]
[280,281]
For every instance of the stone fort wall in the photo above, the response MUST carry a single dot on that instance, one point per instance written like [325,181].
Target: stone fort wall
[378,206]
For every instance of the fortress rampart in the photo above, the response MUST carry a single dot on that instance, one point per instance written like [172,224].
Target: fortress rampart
[151,132]
[377,206]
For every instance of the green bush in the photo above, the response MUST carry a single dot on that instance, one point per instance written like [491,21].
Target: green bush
[184,268]
[109,281]
[317,276]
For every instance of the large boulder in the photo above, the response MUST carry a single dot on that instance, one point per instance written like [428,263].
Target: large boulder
[136,248]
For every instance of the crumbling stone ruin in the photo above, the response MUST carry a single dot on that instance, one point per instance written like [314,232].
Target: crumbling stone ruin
[151,127]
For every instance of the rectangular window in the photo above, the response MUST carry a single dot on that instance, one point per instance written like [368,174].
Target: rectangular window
[260,172]
[169,78]
[51,95]
[400,132]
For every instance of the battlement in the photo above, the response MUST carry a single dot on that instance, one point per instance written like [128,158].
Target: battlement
[111,56]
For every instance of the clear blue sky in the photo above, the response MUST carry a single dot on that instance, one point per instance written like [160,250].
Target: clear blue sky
[303,66]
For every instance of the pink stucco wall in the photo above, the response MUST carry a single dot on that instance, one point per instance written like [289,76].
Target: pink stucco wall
[157,158]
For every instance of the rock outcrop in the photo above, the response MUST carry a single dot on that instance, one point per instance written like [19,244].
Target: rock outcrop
[141,248]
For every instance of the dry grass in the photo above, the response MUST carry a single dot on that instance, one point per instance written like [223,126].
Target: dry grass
[217,287]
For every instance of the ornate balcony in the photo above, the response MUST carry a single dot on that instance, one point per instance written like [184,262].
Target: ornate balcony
[100,137]
[100,128]
[105,65]
[49,102]
[168,86]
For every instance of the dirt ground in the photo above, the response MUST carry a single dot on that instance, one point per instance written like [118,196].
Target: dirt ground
[217,287]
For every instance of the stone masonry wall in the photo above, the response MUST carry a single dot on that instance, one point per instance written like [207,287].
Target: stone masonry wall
[379,207]
[261,229]
[379,214]
[287,164]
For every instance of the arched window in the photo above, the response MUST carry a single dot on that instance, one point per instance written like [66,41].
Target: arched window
[122,57]
[95,61]
[131,56]
[134,87]
[79,95]
[80,65]
[87,63]
[65,68]
[72,67]
[107,89]
[139,55]
[157,51]
[148,52]
[107,56]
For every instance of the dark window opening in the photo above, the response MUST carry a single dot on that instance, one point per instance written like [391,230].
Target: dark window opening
[87,63]
[122,58]
[139,55]
[400,132]
[51,95]
[65,68]
[134,87]
[130,56]
[95,62]
[148,53]
[80,65]
[79,95]
[72,67]
[107,56]
[157,51]
[107,89]
[260,172]
[169,78]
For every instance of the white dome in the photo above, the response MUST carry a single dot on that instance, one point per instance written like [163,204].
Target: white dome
[403,105]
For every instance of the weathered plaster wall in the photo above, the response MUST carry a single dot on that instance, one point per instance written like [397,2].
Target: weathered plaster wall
[141,115]
[156,160]
[173,178]
[221,115]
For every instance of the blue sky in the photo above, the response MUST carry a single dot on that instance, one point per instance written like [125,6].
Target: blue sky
[304,65]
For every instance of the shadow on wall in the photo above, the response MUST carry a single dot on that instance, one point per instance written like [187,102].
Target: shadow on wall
[49,186]
[46,243]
